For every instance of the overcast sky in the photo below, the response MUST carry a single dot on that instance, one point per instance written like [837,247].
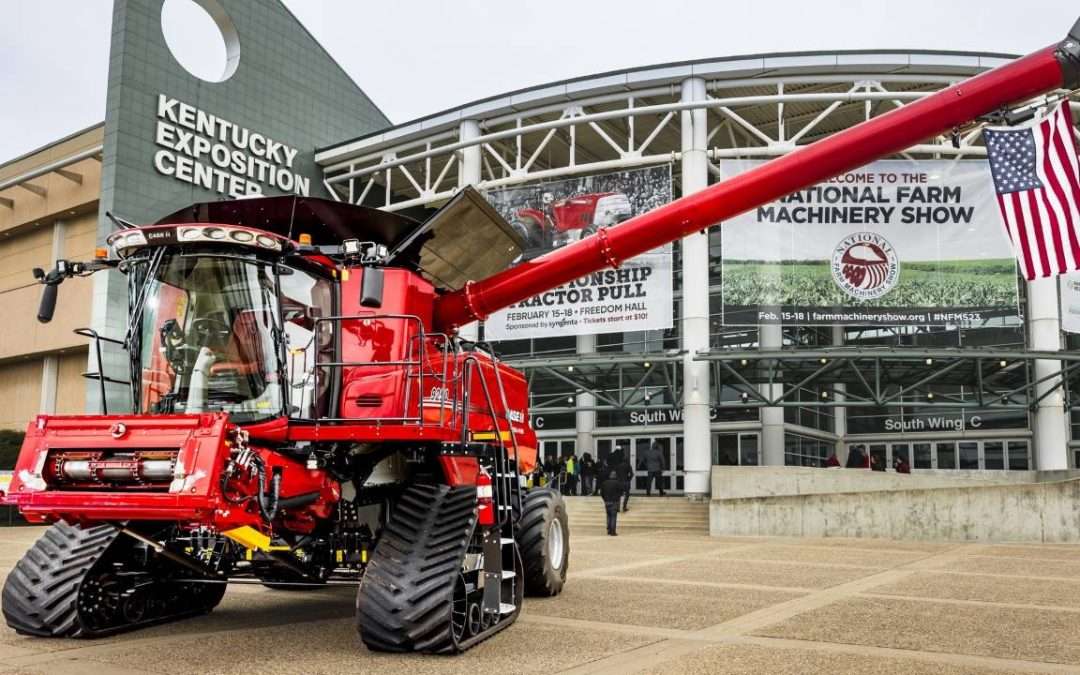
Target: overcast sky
[417,57]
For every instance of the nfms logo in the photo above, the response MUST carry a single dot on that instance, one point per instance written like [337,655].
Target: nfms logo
[865,265]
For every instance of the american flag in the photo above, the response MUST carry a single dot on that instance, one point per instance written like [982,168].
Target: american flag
[1037,178]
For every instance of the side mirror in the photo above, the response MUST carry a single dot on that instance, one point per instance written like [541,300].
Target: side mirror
[48,303]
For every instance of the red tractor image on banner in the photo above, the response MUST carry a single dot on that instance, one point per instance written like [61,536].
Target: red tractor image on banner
[561,222]
[303,411]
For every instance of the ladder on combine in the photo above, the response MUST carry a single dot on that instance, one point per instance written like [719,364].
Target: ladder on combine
[502,565]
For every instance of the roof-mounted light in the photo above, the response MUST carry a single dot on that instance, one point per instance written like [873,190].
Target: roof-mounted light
[125,242]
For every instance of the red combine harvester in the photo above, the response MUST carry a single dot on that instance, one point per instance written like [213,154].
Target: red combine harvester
[558,223]
[305,413]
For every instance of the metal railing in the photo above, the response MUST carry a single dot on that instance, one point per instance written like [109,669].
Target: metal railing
[100,374]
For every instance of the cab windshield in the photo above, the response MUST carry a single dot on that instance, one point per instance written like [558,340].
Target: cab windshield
[208,338]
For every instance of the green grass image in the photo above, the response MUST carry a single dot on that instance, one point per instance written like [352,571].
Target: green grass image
[809,283]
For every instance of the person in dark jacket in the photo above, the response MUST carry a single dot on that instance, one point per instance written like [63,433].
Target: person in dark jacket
[587,471]
[625,473]
[610,491]
[654,466]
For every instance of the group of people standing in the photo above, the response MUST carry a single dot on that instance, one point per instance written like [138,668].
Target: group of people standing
[611,477]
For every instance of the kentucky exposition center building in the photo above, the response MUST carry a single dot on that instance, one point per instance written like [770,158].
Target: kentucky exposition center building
[965,391]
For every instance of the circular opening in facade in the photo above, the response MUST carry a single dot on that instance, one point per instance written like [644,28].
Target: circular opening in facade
[201,37]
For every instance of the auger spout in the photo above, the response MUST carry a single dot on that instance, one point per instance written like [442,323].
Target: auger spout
[1038,73]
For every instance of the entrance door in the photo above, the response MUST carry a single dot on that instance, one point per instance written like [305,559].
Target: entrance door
[671,477]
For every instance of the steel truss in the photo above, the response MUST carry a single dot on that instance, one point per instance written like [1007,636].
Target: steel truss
[864,377]
[618,381]
[417,165]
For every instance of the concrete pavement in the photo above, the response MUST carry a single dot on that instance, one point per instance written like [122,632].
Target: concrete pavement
[659,602]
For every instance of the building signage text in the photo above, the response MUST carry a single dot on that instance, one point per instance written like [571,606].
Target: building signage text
[215,154]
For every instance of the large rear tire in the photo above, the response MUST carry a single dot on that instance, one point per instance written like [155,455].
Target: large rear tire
[544,539]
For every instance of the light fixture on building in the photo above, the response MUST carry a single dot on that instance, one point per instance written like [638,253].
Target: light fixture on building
[824,361]
[744,396]
[929,396]
[570,399]
[1003,363]
[569,369]
[647,364]
[929,362]
[824,394]
[743,362]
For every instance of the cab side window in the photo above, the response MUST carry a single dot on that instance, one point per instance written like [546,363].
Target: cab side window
[306,298]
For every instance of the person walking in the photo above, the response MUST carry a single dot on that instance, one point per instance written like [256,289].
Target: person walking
[603,468]
[587,469]
[610,491]
[625,474]
[654,466]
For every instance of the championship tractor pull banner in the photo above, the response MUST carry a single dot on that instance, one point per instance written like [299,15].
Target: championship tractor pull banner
[634,297]
[896,242]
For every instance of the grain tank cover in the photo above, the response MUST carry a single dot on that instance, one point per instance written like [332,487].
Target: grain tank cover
[465,240]
[328,222]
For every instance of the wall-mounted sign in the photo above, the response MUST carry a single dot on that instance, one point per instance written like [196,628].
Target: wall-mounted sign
[216,154]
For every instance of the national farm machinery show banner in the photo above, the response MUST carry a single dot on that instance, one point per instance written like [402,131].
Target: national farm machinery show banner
[634,297]
[897,242]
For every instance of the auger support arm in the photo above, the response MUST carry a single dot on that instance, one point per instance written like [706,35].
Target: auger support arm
[1038,73]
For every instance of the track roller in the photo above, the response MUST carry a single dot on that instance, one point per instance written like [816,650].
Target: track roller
[544,539]
[88,582]
[422,590]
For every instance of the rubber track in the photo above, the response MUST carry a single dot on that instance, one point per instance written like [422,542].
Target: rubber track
[41,593]
[405,598]
[532,542]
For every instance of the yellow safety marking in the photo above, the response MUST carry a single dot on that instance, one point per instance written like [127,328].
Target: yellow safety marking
[363,555]
[252,539]
[340,555]
[490,435]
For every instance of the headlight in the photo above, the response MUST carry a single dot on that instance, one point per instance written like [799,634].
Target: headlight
[241,236]
[215,233]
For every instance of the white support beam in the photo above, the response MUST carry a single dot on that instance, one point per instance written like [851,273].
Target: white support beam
[469,168]
[697,435]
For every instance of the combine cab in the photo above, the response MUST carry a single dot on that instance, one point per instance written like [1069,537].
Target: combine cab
[305,414]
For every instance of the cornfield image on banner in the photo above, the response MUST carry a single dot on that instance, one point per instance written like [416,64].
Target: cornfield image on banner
[896,242]
[635,297]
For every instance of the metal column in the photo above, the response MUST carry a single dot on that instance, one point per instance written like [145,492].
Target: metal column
[1049,420]
[469,168]
[586,402]
[839,412]
[697,459]
[771,337]
[50,369]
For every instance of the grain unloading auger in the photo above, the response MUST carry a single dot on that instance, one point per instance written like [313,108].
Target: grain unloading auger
[305,414]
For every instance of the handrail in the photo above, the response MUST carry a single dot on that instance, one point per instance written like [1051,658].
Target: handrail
[100,375]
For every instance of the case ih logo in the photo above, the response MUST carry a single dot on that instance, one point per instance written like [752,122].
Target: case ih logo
[865,265]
